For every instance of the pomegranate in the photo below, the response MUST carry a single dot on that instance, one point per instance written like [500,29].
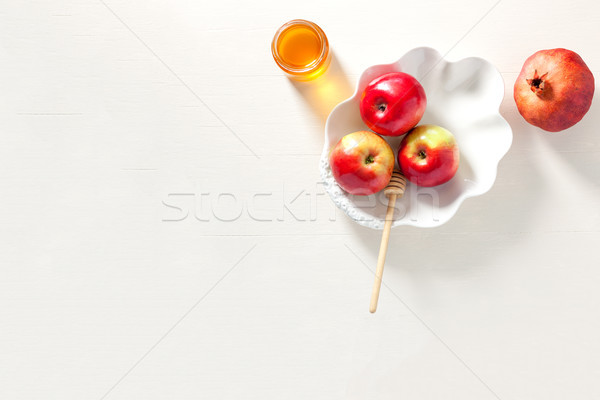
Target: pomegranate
[554,89]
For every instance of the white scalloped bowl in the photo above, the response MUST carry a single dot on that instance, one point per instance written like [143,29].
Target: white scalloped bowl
[462,96]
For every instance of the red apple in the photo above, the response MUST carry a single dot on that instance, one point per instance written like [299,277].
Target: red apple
[393,104]
[554,89]
[362,163]
[428,155]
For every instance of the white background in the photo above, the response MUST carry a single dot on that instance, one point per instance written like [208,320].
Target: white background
[105,121]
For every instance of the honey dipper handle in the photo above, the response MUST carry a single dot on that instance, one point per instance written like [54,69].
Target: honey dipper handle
[394,190]
[385,238]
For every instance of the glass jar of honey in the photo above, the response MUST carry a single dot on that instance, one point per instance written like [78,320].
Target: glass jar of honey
[301,49]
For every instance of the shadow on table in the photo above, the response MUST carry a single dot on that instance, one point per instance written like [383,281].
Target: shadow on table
[577,146]
[325,92]
[481,231]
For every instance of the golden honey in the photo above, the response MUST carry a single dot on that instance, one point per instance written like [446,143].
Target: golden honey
[301,49]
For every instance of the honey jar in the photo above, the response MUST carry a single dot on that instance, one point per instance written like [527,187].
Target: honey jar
[301,49]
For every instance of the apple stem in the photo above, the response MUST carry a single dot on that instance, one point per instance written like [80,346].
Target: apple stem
[369,159]
[537,83]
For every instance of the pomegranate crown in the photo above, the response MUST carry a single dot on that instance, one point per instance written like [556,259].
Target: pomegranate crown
[537,83]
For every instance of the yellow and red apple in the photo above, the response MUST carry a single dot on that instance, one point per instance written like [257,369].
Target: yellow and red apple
[362,163]
[428,155]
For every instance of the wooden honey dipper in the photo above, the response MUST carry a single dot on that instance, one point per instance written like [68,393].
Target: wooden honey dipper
[393,191]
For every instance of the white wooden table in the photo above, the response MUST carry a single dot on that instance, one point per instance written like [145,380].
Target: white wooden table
[164,234]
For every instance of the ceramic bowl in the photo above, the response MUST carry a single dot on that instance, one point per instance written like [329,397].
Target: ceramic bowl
[464,97]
